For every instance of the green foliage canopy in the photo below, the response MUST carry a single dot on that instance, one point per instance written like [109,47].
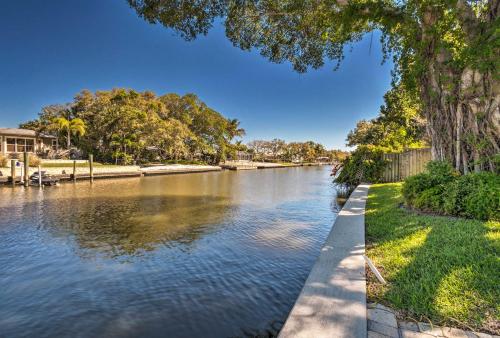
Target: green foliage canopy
[123,125]
[444,51]
[398,126]
[279,150]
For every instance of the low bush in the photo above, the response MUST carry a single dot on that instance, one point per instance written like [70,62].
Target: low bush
[430,199]
[414,186]
[441,190]
[474,196]
[34,160]
[415,189]
[365,164]
[3,161]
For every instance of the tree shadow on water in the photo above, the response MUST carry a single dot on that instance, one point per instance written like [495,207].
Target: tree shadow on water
[128,225]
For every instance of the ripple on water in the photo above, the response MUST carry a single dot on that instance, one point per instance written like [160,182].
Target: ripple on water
[203,255]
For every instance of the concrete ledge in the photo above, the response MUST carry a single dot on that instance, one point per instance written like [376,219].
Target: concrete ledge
[332,302]
[180,171]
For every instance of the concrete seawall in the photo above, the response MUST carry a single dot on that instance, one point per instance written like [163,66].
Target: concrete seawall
[332,302]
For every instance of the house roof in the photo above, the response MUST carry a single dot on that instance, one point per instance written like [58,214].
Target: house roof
[23,133]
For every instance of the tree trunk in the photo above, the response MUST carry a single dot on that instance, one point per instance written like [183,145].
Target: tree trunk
[68,139]
[461,106]
[463,123]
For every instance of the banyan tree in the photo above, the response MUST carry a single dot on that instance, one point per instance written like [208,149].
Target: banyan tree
[446,51]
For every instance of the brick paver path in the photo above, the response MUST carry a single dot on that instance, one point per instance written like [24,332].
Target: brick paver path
[382,323]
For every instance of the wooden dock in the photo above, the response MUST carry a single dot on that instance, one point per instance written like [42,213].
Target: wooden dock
[238,167]
[122,174]
[182,171]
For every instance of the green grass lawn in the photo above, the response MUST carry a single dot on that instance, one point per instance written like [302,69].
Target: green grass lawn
[442,269]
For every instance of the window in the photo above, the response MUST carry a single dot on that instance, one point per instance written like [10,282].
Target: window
[54,144]
[20,145]
[30,145]
[11,145]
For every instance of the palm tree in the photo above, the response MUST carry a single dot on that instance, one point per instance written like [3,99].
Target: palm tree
[234,130]
[75,127]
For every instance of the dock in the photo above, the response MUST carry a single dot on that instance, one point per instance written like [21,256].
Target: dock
[238,166]
[332,302]
[182,171]
[119,174]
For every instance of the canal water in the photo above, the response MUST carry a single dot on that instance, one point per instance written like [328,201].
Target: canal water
[221,254]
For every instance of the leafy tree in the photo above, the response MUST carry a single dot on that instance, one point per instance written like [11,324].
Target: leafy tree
[31,125]
[74,126]
[259,148]
[398,126]
[277,149]
[445,51]
[365,164]
[126,125]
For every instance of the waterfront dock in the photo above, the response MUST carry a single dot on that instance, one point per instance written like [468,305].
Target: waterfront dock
[112,173]
[103,172]
[332,302]
[202,169]
[239,166]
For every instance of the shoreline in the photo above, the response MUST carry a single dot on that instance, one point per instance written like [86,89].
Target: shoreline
[332,302]
[146,171]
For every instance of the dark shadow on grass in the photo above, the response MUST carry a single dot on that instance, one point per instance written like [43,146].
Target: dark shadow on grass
[453,274]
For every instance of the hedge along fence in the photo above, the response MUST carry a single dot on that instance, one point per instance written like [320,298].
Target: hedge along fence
[401,165]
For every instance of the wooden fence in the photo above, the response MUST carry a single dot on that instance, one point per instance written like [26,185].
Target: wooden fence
[400,166]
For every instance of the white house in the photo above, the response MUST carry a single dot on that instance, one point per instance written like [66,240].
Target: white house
[15,140]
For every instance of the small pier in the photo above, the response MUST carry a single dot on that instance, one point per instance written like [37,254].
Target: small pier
[238,166]
[181,171]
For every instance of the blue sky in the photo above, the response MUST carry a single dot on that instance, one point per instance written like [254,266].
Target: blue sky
[52,49]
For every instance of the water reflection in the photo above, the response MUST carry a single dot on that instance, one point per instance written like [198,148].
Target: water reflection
[203,255]
[129,225]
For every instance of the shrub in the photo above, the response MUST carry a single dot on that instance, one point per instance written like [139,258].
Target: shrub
[441,170]
[34,160]
[3,161]
[440,189]
[437,175]
[474,195]
[430,199]
[365,164]
[414,186]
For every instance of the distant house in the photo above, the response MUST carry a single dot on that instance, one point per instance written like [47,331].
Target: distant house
[14,140]
[243,156]
[323,159]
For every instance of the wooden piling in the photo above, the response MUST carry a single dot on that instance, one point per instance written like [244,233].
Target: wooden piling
[13,171]
[91,165]
[26,169]
[74,171]
[40,176]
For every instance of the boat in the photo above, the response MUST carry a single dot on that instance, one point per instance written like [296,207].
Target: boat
[47,179]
